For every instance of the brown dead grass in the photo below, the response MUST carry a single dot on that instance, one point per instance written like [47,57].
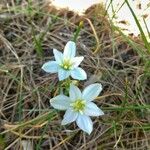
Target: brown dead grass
[120,70]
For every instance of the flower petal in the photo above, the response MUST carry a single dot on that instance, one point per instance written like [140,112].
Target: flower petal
[92,110]
[85,123]
[63,74]
[58,56]
[50,67]
[79,74]
[70,50]
[74,93]
[91,92]
[69,117]
[77,60]
[60,102]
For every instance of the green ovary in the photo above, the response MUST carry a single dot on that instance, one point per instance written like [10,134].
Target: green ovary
[66,64]
[78,105]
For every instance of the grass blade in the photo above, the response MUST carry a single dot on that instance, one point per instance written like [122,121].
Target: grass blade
[147,45]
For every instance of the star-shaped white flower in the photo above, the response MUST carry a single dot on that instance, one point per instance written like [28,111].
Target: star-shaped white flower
[66,64]
[79,106]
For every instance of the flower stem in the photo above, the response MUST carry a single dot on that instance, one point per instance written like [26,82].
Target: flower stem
[76,34]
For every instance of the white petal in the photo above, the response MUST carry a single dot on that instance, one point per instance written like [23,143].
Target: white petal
[78,73]
[85,123]
[60,102]
[92,110]
[70,50]
[91,91]
[63,74]
[50,67]
[69,117]
[58,56]
[74,92]
[77,60]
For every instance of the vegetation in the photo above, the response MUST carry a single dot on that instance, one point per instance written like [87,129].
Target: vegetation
[28,33]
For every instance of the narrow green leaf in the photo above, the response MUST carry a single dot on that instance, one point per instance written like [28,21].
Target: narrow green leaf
[147,45]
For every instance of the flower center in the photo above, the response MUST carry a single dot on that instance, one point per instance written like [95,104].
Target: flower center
[78,105]
[66,64]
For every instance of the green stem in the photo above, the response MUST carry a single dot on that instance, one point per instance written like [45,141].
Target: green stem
[76,34]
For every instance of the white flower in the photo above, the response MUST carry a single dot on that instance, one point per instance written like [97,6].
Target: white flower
[79,106]
[66,64]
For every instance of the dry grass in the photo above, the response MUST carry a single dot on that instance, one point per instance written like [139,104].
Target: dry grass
[27,37]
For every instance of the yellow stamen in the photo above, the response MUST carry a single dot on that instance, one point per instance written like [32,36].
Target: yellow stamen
[66,64]
[78,105]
